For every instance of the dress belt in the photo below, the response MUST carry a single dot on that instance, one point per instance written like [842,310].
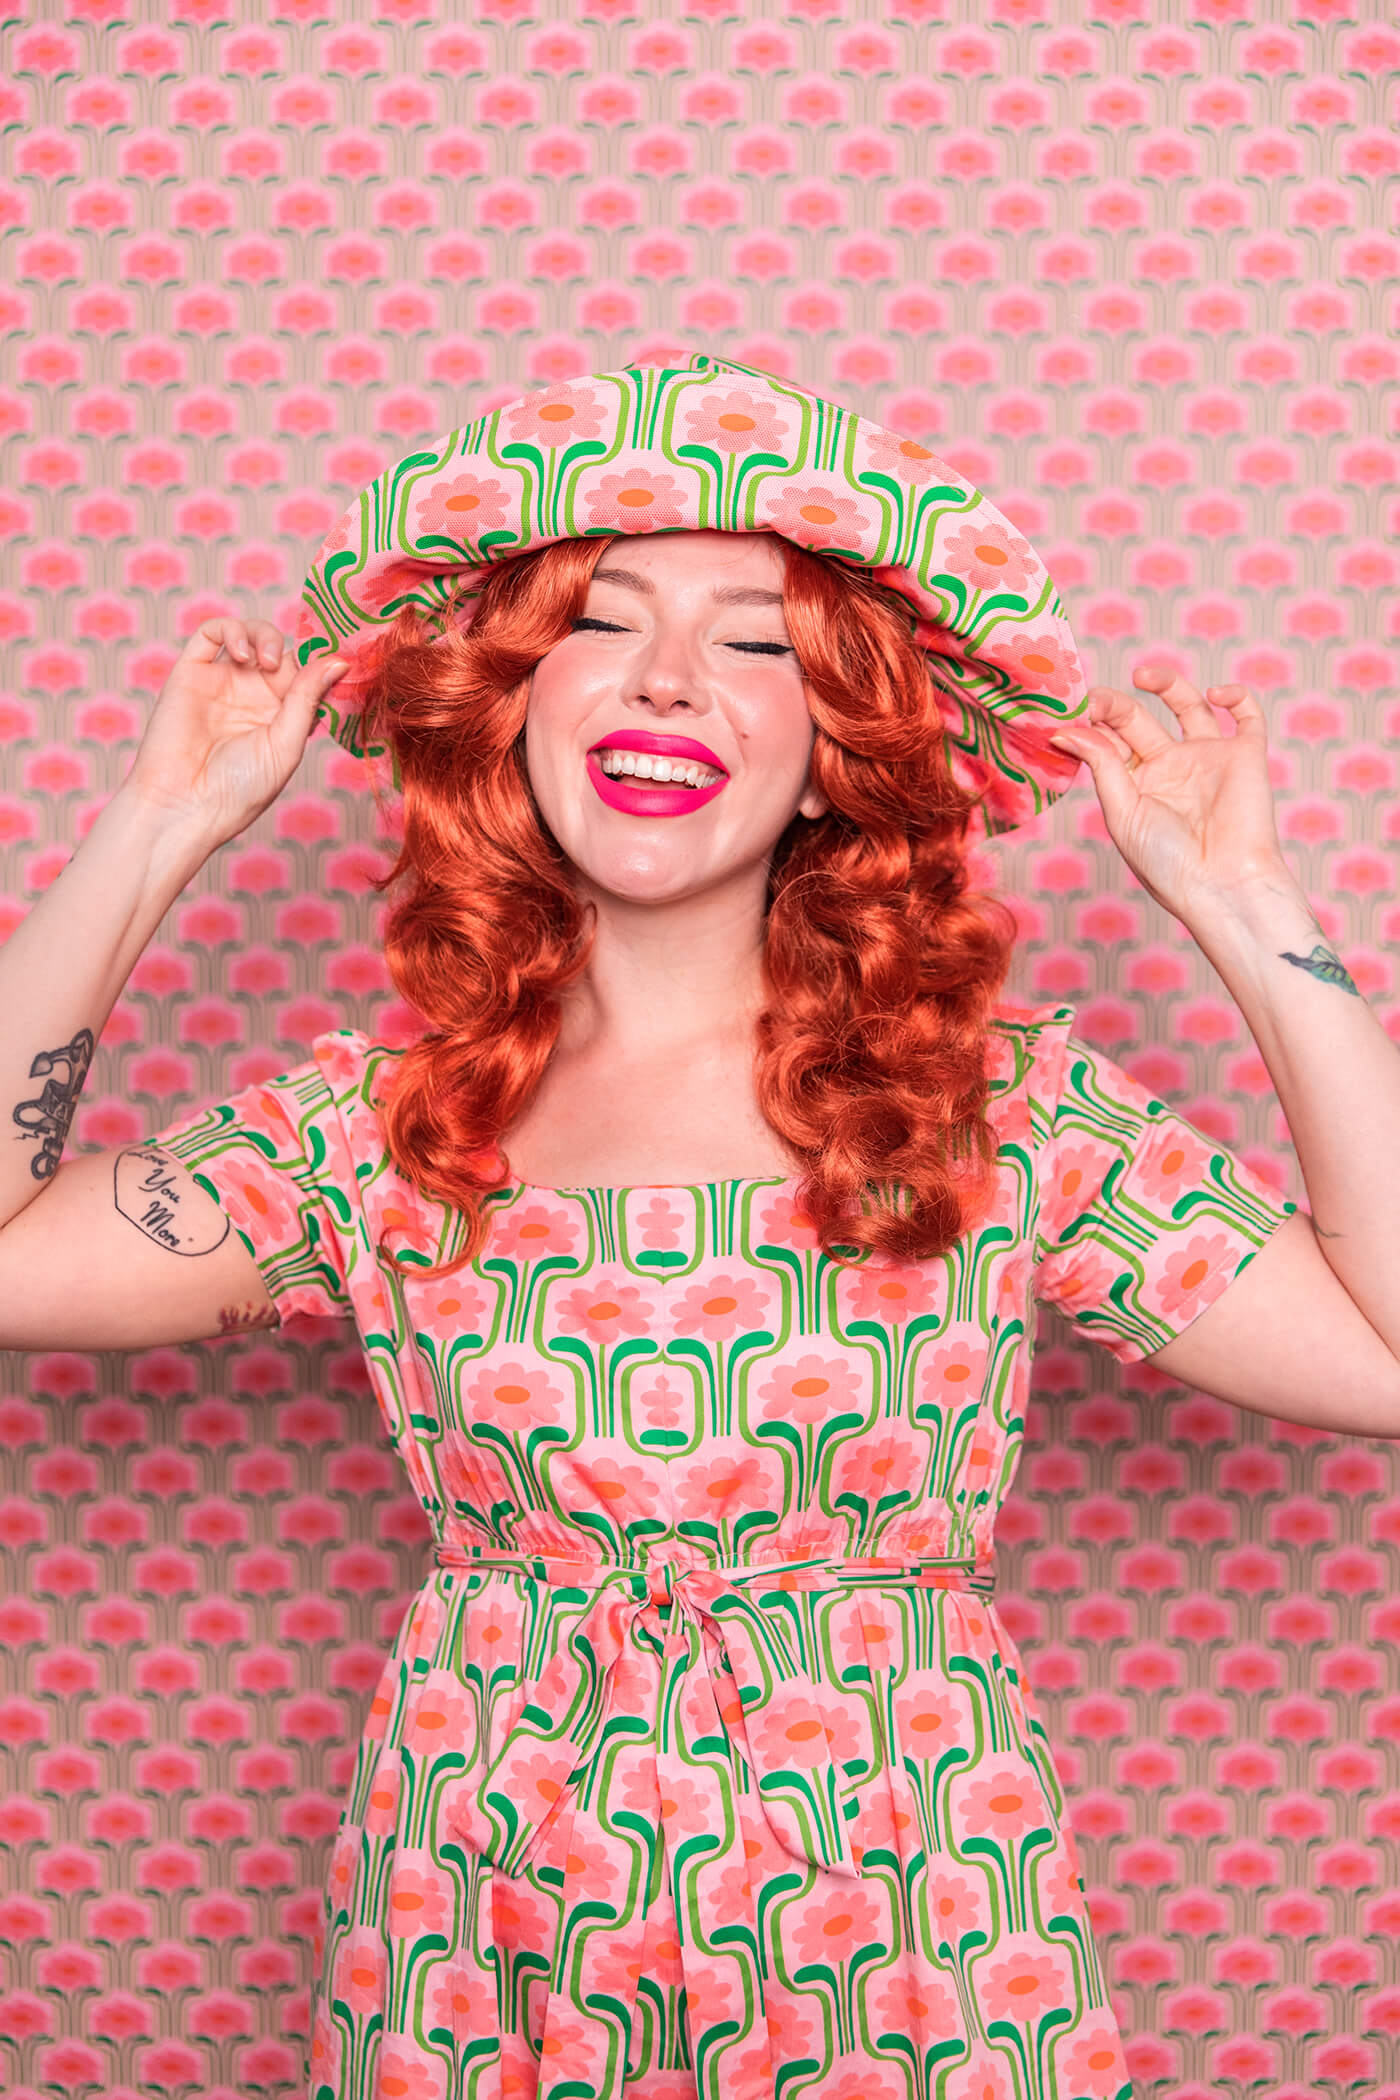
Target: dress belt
[717,1618]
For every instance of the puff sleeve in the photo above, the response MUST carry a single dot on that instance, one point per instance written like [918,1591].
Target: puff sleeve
[1143,1221]
[271,1156]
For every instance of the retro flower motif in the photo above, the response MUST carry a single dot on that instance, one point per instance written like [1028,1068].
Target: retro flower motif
[1006,1804]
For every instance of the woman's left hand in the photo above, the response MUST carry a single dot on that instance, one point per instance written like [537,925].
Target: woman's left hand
[1192,815]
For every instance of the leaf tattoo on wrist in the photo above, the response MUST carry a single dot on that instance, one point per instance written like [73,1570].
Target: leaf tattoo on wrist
[1324,964]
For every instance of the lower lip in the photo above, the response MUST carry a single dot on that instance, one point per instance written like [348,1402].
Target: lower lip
[648,802]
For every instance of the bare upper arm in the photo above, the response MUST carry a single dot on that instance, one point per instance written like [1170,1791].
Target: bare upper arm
[124,1250]
[1287,1341]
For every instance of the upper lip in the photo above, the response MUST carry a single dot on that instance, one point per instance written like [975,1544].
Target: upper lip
[659,746]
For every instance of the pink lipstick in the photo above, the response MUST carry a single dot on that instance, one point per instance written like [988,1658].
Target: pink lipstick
[658,801]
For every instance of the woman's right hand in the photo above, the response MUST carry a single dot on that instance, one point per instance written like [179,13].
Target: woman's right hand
[229,727]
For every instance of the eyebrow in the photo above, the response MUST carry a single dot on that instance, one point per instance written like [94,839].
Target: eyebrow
[726,594]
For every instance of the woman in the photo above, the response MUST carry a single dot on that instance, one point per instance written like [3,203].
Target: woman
[694,1248]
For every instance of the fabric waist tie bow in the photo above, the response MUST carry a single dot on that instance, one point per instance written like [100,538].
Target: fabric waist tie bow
[719,1619]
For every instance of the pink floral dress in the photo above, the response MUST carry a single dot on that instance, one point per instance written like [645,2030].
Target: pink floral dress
[703,1762]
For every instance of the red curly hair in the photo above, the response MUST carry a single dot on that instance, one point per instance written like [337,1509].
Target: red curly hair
[881,967]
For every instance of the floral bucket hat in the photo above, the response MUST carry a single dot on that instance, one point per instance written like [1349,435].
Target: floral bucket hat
[715,445]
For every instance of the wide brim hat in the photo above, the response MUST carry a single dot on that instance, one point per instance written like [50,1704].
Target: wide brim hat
[718,446]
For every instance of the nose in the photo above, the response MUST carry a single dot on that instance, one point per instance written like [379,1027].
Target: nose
[668,678]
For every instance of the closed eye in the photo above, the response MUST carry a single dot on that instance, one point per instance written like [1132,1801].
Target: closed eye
[766,648]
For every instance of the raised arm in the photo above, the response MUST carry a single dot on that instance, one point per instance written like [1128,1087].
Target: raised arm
[124,1249]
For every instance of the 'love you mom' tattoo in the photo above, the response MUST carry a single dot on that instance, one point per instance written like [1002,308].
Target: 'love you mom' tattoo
[49,1116]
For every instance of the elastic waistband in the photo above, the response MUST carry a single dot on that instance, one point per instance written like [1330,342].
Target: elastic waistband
[659,1571]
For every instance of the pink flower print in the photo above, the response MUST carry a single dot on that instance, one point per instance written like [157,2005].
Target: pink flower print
[1059,1880]
[1005,1804]
[341,1063]
[813,1389]
[836,1921]
[989,557]
[864,2084]
[494,1625]
[1189,1269]
[957,1905]
[590,1861]
[530,1230]
[792,1732]
[455,1307]
[341,1878]
[361,1964]
[723,1306]
[623,1492]
[420,1897]
[1040,663]
[606,1308]
[951,1374]
[465,506]
[558,415]
[905,2005]
[407,2072]
[733,422]
[659,1402]
[473,1478]
[383,1804]
[1090,2059]
[325,2051]
[792,2027]
[930,1721]
[658,1226]
[461,2000]
[881,1461]
[639,1791]
[682,1801]
[1021,1979]
[1167,1167]
[1010,1117]
[538,1780]
[1073,1186]
[734,1481]
[518,1923]
[890,1292]
[642,499]
[782,1223]
[983,2077]
[817,514]
[255,1198]
[517,1397]
[1077,1279]
[440,1718]
[902,458]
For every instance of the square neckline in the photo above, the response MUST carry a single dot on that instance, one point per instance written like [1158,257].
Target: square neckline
[663,1188]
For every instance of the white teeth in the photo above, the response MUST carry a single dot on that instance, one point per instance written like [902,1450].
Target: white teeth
[643,766]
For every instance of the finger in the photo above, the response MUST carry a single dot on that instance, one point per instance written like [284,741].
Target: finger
[1133,730]
[1249,717]
[219,633]
[266,638]
[1184,699]
[300,702]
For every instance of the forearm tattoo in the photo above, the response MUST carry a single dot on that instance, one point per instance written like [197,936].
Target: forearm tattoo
[1323,963]
[48,1117]
[146,1185]
[235,1319]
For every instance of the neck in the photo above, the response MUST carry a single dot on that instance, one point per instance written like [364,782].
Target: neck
[663,975]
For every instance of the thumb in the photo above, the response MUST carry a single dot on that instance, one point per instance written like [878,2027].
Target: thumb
[1111,777]
[289,732]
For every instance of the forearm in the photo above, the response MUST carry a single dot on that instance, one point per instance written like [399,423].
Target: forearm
[1337,1077]
[61,972]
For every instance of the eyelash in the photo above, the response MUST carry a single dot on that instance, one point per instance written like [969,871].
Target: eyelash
[766,648]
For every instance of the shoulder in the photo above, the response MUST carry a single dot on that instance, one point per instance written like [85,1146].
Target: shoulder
[351,1066]
[1027,1044]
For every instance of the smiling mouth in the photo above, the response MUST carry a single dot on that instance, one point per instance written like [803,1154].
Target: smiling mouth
[656,769]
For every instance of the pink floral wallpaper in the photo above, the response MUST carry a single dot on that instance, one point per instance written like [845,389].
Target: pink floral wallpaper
[1133,269]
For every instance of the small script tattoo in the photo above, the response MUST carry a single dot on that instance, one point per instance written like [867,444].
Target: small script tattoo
[1322,963]
[48,1117]
[152,1189]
